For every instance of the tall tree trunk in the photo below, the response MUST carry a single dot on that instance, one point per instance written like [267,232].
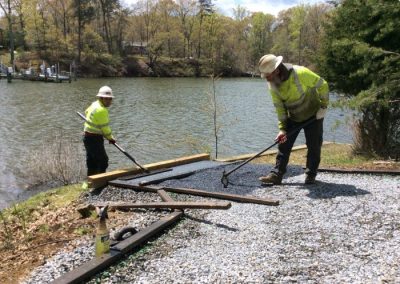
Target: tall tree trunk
[79,32]
[11,33]
[199,43]
[106,25]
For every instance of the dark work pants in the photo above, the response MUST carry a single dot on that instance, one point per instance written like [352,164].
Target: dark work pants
[96,156]
[314,137]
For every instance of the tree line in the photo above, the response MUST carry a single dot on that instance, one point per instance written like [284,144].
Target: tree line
[354,44]
[88,29]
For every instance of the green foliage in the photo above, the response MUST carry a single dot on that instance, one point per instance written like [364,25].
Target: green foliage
[7,233]
[84,30]
[260,37]
[297,33]
[93,42]
[84,230]
[361,58]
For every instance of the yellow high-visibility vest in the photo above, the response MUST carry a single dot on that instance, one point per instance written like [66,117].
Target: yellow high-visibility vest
[300,96]
[97,120]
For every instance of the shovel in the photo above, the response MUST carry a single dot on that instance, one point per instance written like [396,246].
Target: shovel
[224,178]
[120,148]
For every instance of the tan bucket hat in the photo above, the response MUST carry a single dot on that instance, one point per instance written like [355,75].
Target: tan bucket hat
[268,63]
[105,92]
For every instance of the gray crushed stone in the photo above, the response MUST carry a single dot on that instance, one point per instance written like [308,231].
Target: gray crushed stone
[344,229]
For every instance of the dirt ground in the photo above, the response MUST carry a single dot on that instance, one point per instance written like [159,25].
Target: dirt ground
[30,245]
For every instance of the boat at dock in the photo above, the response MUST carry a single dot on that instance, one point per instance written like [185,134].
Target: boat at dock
[49,74]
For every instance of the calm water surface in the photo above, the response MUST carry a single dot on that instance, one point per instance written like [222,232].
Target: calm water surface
[152,118]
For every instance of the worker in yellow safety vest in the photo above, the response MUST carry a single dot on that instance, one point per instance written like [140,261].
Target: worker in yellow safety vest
[300,97]
[96,128]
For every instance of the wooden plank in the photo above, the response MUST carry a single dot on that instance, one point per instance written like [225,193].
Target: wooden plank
[361,171]
[90,268]
[198,192]
[171,205]
[164,195]
[223,195]
[99,180]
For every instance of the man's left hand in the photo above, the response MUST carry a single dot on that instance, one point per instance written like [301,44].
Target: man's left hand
[320,113]
[281,137]
[112,141]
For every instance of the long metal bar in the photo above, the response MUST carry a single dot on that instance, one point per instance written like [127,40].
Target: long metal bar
[225,175]
[119,148]
[130,157]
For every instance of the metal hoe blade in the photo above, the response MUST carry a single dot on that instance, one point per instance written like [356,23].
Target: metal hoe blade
[224,180]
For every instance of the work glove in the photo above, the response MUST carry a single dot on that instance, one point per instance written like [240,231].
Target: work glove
[112,141]
[320,113]
[281,137]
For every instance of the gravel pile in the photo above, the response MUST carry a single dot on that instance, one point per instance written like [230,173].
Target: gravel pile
[344,229]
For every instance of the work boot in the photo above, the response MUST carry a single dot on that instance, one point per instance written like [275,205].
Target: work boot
[272,178]
[310,179]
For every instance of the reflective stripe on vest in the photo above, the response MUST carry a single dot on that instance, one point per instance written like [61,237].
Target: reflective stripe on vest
[300,90]
[91,127]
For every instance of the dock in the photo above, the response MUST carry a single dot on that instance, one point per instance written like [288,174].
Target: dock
[53,78]
[48,75]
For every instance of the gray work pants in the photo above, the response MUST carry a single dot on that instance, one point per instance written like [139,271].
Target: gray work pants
[314,137]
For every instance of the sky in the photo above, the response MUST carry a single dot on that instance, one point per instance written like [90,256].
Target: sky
[266,6]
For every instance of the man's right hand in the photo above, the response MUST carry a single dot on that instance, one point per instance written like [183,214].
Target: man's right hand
[281,137]
[112,141]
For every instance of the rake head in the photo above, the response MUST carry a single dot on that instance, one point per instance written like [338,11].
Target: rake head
[224,180]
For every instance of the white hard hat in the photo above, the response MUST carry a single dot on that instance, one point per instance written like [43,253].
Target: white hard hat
[268,63]
[105,92]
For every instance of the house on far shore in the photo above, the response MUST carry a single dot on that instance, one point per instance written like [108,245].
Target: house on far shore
[135,47]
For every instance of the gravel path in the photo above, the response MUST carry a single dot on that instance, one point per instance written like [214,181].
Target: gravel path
[345,229]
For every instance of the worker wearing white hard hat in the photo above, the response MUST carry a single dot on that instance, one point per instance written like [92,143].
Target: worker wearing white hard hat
[96,128]
[300,98]
[268,64]
[105,92]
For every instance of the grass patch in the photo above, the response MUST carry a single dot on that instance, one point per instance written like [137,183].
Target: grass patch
[335,156]
[54,198]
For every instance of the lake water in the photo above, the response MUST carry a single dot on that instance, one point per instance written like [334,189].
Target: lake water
[154,119]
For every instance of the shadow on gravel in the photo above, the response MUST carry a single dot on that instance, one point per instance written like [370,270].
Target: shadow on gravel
[222,226]
[325,190]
